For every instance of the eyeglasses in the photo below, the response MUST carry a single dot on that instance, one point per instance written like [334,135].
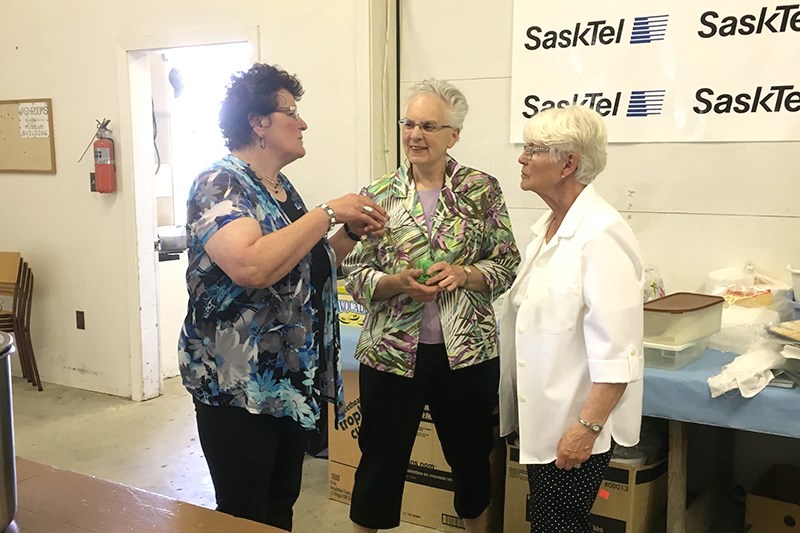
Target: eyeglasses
[427,126]
[288,110]
[531,149]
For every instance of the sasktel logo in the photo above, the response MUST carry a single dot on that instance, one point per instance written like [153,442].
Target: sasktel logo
[779,20]
[598,32]
[640,104]
[772,99]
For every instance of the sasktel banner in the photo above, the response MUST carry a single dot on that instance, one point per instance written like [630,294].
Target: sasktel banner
[660,71]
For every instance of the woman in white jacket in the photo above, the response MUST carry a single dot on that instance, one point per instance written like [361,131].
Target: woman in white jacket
[571,327]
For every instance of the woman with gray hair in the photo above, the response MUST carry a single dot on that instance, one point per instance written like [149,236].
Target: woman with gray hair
[428,283]
[571,325]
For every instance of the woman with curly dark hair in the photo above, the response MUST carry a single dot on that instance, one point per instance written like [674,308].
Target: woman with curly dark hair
[259,345]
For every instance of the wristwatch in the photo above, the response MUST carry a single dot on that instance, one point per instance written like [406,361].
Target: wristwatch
[594,426]
[467,270]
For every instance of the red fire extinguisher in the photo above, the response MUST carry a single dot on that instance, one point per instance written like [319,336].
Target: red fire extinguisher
[104,169]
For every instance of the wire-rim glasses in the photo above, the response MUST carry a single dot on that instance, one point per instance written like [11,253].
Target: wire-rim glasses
[530,149]
[290,111]
[428,126]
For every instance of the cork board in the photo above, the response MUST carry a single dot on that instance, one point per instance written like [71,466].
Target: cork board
[27,143]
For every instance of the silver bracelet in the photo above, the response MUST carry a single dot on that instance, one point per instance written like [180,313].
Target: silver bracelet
[331,215]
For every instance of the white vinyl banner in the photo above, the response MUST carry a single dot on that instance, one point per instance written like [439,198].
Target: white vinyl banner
[659,71]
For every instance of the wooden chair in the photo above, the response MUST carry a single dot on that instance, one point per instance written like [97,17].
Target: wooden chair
[17,321]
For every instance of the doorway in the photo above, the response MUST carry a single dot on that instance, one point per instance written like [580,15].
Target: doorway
[188,85]
[175,89]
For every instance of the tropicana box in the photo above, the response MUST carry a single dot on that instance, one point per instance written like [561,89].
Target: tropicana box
[428,494]
[632,499]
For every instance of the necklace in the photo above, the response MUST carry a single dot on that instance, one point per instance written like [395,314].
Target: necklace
[271,186]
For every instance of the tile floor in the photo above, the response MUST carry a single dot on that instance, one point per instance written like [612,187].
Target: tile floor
[151,445]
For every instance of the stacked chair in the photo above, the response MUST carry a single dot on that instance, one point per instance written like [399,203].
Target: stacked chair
[16,317]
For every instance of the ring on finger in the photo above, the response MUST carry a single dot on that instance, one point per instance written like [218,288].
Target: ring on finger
[577,465]
[367,209]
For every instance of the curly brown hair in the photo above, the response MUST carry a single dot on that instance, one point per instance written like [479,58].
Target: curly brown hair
[253,93]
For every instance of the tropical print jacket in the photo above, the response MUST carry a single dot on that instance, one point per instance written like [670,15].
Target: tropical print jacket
[471,226]
[254,348]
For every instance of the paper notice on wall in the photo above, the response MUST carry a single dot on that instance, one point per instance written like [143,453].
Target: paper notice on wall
[33,120]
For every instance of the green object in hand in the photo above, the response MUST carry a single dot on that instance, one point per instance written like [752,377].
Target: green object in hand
[424,264]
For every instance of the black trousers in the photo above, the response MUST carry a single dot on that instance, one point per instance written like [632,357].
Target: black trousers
[256,462]
[462,404]
[562,499]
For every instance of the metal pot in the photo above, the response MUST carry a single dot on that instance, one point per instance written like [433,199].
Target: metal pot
[8,471]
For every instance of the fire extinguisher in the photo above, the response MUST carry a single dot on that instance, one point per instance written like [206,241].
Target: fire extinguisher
[104,169]
[104,176]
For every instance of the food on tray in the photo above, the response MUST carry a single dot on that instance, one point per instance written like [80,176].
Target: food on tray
[789,330]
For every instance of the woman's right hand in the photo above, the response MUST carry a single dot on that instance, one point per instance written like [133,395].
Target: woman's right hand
[360,212]
[418,291]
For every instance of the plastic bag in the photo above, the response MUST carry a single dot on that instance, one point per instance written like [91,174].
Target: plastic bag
[653,284]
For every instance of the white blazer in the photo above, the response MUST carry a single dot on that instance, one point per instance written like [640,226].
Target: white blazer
[572,317]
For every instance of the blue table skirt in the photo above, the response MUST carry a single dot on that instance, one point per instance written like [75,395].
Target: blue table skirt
[349,338]
[683,394]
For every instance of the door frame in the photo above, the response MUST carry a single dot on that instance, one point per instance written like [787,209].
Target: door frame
[134,160]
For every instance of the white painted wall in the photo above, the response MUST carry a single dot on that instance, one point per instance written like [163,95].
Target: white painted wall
[694,207]
[81,245]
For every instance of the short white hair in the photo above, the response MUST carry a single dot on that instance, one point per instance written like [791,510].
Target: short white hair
[574,128]
[456,103]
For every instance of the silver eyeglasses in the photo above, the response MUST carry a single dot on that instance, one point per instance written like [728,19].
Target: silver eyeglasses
[288,110]
[427,126]
[531,149]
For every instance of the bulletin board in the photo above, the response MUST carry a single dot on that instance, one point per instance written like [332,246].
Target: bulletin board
[27,142]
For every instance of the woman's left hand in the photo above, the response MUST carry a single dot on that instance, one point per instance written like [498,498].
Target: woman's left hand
[362,228]
[574,447]
[448,277]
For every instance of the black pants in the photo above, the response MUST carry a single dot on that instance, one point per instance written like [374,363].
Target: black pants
[256,462]
[562,499]
[461,404]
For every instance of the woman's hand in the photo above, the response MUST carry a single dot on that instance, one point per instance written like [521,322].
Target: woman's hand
[360,212]
[418,291]
[575,446]
[448,277]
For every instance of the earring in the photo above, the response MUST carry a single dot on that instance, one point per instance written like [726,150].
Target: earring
[262,142]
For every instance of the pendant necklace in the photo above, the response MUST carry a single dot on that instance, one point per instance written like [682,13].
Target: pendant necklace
[271,186]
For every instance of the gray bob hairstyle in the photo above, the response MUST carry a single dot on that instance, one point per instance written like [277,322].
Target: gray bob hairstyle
[574,128]
[457,107]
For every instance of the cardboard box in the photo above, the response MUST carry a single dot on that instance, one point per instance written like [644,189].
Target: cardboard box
[632,499]
[351,313]
[428,493]
[773,504]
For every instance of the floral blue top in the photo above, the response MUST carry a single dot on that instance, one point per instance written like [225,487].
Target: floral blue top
[255,348]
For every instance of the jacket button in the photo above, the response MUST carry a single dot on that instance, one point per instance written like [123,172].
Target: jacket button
[522,399]
[521,363]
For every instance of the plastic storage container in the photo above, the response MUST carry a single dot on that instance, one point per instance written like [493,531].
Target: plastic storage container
[795,270]
[671,357]
[794,304]
[681,318]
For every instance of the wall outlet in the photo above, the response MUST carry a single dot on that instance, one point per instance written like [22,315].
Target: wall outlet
[79,320]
